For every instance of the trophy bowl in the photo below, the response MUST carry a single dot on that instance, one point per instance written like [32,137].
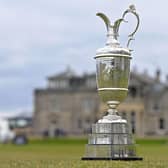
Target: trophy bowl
[112,75]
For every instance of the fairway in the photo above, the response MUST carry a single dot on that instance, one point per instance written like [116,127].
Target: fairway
[66,153]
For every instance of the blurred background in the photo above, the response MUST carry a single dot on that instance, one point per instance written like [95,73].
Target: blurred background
[48,84]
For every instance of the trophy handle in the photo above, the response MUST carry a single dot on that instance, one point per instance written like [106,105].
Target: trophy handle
[133,11]
[112,30]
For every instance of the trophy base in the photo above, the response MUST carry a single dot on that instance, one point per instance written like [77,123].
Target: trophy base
[113,159]
[111,141]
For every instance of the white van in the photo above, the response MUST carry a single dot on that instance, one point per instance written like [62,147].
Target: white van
[7,134]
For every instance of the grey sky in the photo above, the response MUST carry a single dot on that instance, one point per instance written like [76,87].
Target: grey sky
[40,38]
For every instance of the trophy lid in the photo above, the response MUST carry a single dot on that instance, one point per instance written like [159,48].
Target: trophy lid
[113,47]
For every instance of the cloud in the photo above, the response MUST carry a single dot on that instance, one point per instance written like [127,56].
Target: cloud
[40,38]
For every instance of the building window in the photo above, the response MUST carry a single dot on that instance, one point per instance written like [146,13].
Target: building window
[87,105]
[161,123]
[79,123]
[133,91]
[61,84]
[156,107]
[91,83]
[87,120]
[52,84]
[124,115]
[133,122]
[142,92]
[55,104]
[76,82]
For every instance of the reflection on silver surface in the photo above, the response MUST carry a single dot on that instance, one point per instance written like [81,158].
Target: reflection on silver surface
[110,140]
[112,72]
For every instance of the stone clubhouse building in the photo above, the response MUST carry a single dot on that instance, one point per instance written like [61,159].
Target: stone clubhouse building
[70,104]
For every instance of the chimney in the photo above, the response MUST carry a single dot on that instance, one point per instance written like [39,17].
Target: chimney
[157,77]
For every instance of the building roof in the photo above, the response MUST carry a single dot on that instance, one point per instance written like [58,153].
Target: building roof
[68,73]
[143,78]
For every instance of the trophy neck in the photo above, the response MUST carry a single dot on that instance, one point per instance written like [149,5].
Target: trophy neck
[112,106]
[112,115]
[112,37]
[112,29]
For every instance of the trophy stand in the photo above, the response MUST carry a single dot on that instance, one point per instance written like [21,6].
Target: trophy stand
[111,138]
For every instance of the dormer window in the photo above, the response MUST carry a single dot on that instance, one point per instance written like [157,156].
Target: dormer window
[59,84]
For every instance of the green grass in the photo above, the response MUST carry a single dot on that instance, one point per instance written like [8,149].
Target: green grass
[66,153]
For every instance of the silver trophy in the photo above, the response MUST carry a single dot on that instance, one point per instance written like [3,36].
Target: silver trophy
[111,138]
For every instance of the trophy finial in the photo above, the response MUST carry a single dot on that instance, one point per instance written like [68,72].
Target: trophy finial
[132,7]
